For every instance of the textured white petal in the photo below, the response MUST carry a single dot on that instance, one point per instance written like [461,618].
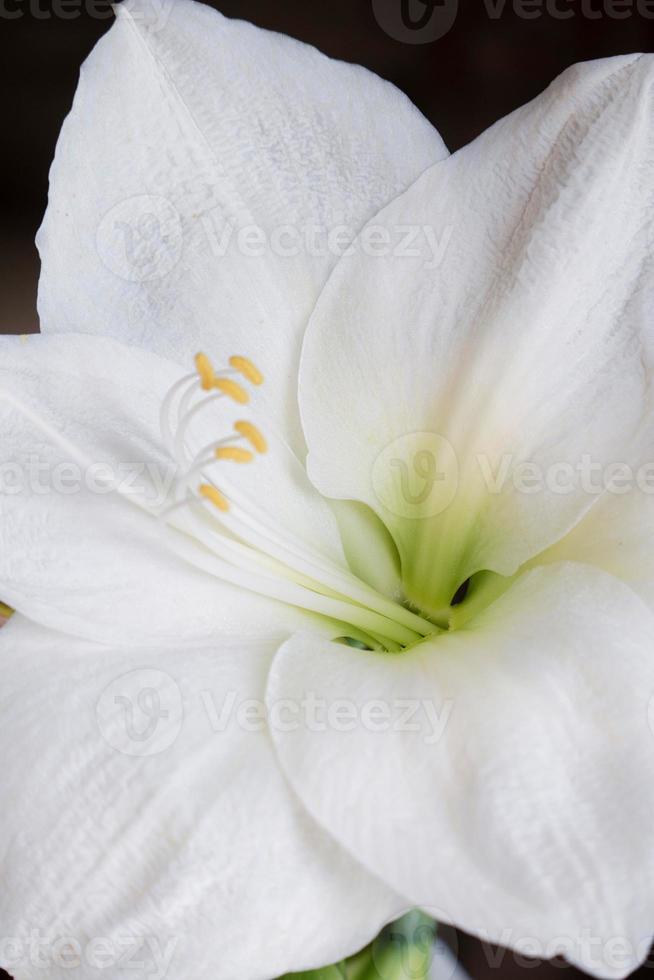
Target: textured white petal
[186,125]
[82,560]
[516,795]
[143,810]
[517,331]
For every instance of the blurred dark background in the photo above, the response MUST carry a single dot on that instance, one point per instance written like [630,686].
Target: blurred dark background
[491,56]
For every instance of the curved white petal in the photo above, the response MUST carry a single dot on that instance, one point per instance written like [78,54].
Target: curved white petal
[370,551]
[617,536]
[516,331]
[502,774]
[144,812]
[79,558]
[196,180]
[617,533]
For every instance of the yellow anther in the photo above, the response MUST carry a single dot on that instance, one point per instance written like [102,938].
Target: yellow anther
[235,453]
[253,436]
[214,496]
[205,370]
[247,369]
[232,389]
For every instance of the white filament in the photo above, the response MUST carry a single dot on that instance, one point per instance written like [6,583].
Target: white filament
[244,544]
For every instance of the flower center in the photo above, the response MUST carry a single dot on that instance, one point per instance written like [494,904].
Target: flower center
[228,534]
[212,521]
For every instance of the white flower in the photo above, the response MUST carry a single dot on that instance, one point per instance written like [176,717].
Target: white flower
[488,758]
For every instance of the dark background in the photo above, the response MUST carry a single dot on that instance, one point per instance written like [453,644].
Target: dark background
[481,69]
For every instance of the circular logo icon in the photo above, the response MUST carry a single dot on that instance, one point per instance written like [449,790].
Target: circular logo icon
[140,239]
[417,476]
[416,21]
[141,713]
[416,946]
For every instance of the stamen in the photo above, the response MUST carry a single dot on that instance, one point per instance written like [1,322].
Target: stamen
[214,496]
[190,383]
[253,436]
[245,536]
[6,612]
[183,423]
[236,540]
[232,389]
[245,367]
[206,371]
[235,453]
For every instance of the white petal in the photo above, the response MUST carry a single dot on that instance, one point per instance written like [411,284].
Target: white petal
[187,124]
[85,561]
[507,779]
[617,533]
[142,803]
[517,329]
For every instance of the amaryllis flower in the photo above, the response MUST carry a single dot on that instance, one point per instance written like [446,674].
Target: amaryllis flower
[354,613]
